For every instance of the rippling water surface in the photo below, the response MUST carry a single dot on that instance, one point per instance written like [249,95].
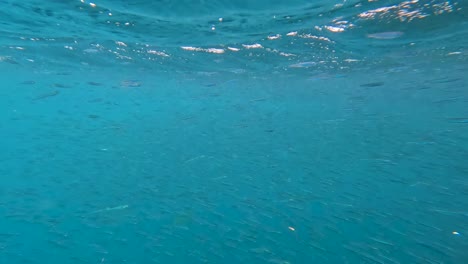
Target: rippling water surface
[233,131]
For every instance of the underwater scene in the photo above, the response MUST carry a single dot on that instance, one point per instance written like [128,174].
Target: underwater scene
[276,132]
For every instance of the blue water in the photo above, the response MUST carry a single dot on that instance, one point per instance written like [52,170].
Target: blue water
[277,132]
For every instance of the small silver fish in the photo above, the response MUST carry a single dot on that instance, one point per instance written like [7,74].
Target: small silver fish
[110,209]
[386,35]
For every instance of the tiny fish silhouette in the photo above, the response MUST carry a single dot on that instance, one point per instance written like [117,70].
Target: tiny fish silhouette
[46,95]
[373,84]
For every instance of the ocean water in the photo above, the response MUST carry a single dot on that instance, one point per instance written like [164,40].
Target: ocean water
[276,132]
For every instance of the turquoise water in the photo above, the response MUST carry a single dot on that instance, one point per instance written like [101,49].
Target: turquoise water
[233,132]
